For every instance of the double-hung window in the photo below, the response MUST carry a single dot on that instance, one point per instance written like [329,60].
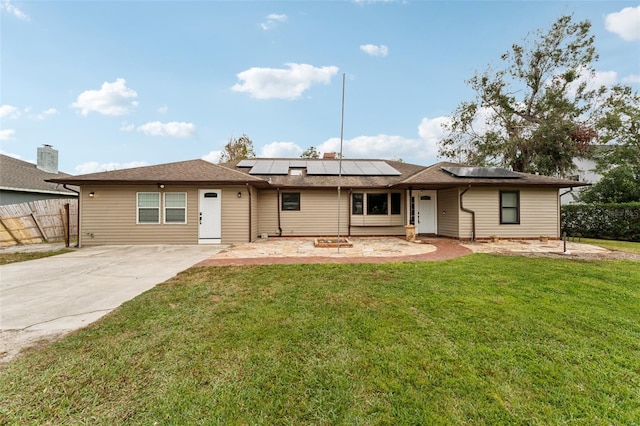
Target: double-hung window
[509,207]
[290,201]
[175,207]
[148,207]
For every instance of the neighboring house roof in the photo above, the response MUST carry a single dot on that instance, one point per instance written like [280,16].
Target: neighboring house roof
[179,173]
[316,173]
[18,175]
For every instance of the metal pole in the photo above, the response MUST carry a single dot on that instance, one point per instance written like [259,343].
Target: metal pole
[340,159]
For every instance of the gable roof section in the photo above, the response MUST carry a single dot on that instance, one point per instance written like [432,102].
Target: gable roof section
[18,175]
[440,176]
[182,173]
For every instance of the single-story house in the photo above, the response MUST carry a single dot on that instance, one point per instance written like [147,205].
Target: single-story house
[22,182]
[198,202]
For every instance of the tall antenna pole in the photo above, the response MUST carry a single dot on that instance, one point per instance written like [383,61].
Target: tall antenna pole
[340,159]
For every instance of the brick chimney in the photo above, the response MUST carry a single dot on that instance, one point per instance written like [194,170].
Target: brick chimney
[48,159]
[329,156]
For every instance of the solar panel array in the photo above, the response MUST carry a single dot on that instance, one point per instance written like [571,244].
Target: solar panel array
[320,167]
[482,172]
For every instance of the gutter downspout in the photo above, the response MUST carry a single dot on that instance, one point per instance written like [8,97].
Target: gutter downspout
[278,207]
[349,212]
[249,191]
[473,214]
[64,185]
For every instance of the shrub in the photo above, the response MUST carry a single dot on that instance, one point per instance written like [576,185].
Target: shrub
[606,221]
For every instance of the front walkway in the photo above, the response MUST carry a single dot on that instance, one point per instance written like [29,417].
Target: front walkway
[288,250]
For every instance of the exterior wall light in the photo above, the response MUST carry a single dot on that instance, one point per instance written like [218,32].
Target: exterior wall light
[92,194]
[161,185]
[239,194]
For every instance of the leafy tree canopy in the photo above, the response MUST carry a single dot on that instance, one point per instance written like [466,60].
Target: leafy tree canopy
[310,152]
[621,184]
[538,111]
[237,149]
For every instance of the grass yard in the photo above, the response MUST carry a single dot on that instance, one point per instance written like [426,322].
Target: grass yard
[6,258]
[628,246]
[482,339]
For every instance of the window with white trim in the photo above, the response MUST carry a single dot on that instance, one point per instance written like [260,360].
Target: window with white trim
[148,205]
[175,207]
[376,203]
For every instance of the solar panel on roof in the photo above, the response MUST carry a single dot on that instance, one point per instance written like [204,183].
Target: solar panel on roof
[482,172]
[247,163]
[280,167]
[270,167]
[297,163]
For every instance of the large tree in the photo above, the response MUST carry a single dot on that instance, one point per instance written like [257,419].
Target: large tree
[619,126]
[310,152]
[538,111]
[237,149]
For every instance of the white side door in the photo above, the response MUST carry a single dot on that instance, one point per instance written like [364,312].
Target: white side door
[210,216]
[426,212]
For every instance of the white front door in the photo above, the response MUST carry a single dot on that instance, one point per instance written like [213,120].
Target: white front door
[425,212]
[210,216]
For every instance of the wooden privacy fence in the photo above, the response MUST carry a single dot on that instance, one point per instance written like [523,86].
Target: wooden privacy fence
[39,221]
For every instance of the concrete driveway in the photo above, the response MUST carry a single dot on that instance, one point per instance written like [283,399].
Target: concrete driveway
[46,298]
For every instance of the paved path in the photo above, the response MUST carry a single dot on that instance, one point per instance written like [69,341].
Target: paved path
[365,250]
[49,297]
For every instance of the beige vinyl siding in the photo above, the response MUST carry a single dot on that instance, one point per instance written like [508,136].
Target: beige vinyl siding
[377,230]
[235,215]
[538,213]
[448,214]
[110,217]
[254,213]
[317,216]
[267,213]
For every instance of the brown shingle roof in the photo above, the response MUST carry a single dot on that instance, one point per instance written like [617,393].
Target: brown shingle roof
[183,172]
[434,177]
[18,175]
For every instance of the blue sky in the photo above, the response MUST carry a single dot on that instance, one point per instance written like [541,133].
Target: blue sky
[116,84]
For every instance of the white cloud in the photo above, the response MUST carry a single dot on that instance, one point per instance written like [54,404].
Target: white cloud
[94,166]
[290,83]
[272,21]
[373,50]
[127,127]
[6,134]
[212,157]
[112,99]
[173,129]
[633,78]
[281,150]
[625,23]
[13,10]
[163,109]
[9,111]
[46,113]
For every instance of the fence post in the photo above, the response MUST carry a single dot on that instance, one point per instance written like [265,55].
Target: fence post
[65,224]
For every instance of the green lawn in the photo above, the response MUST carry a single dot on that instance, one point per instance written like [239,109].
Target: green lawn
[628,246]
[6,258]
[482,339]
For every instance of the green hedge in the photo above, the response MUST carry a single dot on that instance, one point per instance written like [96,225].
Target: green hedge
[606,221]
